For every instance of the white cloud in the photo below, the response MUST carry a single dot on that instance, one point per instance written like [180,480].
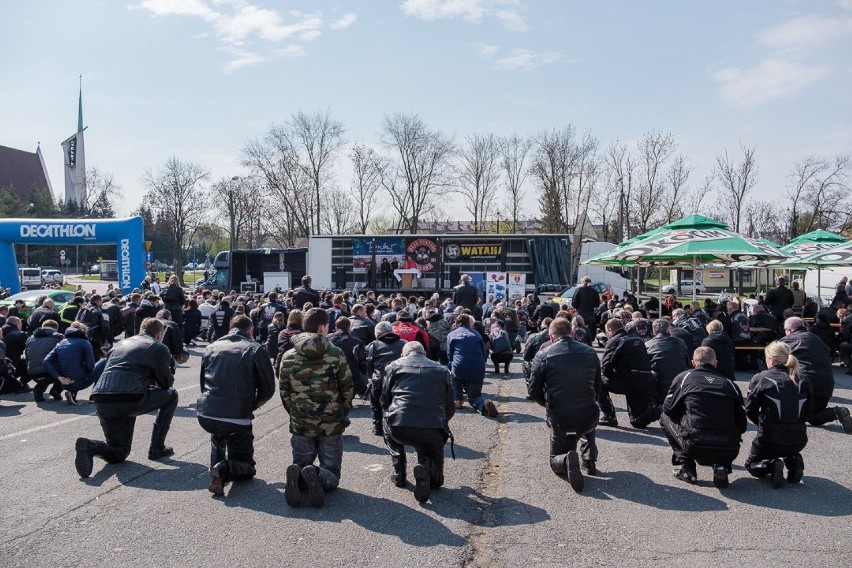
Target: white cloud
[344,22]
[486,50]
[526,60]
[845,4]
[771,79]
[470,10]
[807,32]
[178,8]
[249,33]
[473,11]
[512,20]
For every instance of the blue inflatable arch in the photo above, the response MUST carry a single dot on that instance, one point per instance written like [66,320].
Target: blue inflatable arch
[127,234]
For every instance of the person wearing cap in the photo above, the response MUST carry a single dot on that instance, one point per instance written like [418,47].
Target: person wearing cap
[438,327]
[467,354]
[386,348]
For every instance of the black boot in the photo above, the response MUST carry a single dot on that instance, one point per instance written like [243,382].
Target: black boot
[398,475]
[507,368]
[497,368]
[38,391]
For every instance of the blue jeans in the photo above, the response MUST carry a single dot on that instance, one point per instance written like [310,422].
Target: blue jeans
[85,382]
[474,393]
[329,449]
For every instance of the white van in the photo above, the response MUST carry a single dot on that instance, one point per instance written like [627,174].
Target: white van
[828,279]
[30,277]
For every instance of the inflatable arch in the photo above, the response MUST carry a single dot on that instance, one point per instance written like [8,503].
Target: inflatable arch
[127,234]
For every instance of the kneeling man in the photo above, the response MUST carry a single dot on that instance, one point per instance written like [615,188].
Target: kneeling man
[417,401]
[566,379]
[704,419]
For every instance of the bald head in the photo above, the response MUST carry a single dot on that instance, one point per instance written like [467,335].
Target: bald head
[704,356]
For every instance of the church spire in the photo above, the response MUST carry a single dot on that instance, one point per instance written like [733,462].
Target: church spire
[80,108]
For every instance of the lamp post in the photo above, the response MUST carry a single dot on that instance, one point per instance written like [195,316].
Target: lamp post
[30,207]
[232,206]
[620,233]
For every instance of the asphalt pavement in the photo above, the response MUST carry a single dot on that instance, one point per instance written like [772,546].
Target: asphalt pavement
[501,505]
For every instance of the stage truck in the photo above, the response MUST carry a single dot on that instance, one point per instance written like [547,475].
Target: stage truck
[505,265]
[257,270]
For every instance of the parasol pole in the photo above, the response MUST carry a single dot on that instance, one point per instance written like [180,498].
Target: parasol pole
[694,287]
[819,285]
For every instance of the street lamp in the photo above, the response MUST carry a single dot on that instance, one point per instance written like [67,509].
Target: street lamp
[30,207]
[232,205]
[620,232]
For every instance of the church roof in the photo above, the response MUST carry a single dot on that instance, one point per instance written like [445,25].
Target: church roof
[21,171]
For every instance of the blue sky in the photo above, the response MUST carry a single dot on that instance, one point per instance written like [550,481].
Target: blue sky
[197,78]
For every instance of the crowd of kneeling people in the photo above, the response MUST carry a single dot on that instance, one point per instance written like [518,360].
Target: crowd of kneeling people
[416,360]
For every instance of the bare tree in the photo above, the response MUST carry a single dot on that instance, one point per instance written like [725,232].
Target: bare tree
[274,158]
[296,161]
[621,163]
[478,172]
[819,194]
[367,170]
[177,191]
[764,219]
[604,204]
[317,136]
[340,216]
[513,156]
[553,166]
[736,179]
[653,153]
[677,176]
[419,175]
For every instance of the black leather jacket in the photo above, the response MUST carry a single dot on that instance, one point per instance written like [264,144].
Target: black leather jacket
[566,379]
[669,358]
[134,365]
[417,393]
[236,377]
[779,407]
[814,361]
[708,407]
[355,358]
[380,353]
[626,366]
[721,344]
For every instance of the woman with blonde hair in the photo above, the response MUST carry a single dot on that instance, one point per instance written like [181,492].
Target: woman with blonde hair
[779,401]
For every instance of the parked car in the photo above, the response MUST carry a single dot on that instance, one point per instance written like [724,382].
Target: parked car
[95,269]
[29,297]
[568,293]
[51,276]
[685,287]
[29,277]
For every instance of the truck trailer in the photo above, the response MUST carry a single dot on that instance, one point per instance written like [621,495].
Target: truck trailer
[257,270]
[526,263]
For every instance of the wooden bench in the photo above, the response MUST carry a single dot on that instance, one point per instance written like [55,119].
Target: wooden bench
[750,347]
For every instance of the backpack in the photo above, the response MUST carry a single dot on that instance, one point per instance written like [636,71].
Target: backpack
[500,342]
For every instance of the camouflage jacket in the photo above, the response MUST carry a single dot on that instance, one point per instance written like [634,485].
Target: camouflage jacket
[316,386]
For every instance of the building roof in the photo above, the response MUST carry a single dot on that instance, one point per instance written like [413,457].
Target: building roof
[21,171]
